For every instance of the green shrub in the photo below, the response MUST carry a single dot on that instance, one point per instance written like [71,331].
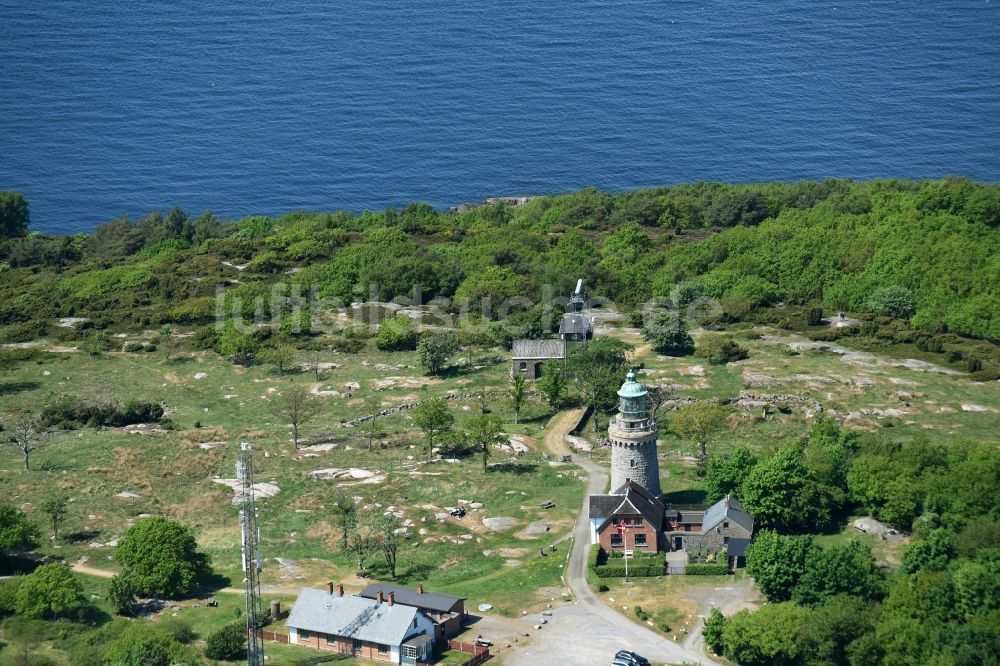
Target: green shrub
[229,642]
[719,350]
[636,569]
[397,334]
[707,569]
[23,332]
[641,614]
[69,413]
[814,316]
[133,347]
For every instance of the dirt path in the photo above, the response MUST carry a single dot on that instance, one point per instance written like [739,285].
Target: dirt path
[270,589]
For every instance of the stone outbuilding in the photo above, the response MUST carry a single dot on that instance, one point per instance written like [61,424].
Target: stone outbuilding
[725,524]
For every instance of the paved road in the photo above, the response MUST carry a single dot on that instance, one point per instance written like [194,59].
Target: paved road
[589,632]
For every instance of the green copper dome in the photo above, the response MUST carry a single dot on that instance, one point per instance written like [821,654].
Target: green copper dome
[631,388]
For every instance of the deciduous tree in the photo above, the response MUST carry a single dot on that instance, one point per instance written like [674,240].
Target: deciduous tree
[16,531]
[14,216]
[667,334]
[297,407]
[434,418]
[699,422]
[434,350]
[486,433]
[55,507]
[50,591]
[27,435]
[161,558]
[517,393]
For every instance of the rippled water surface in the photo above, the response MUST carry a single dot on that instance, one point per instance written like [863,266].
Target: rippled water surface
[121,108]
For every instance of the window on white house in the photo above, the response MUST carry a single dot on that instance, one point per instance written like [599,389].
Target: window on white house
[383,649]
[409,651]
[616,540]
[524,366]
[725,526]
[725,540]
[631,463]
[640,540]
[304,635]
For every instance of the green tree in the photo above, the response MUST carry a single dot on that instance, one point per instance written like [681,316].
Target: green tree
[161,558]
[16,531]
[345,513]
[977,586]
[50,591]
[486,433]
[714,629]
[145,644]
[598,369]
[14,216]
[280,357]
[434,418]
[121,595]
[168,341]
[397,334]
[239,347]
[777,562]
[518,393]
[765,637]
[699,422]
[228,643]
[832,627]
[725,475]
[55,507]
[780,492]
[848,569]
[667,334]
[893,301]
[552,383]
[435,349]
[720,349]
[930,554]
[297,407]
[387,531]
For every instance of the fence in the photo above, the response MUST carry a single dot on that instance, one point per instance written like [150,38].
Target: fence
[273,636]
[479,653]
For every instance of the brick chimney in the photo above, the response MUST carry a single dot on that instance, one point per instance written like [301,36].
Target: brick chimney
[340,590]
[378,597]
[420,588]
[392,598]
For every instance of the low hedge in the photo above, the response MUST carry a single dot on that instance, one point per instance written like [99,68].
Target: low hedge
[706,569]
[636,569]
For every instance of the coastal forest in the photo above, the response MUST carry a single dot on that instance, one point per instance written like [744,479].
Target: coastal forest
[926,252]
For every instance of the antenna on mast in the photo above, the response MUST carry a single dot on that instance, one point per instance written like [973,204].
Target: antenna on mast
[251,556]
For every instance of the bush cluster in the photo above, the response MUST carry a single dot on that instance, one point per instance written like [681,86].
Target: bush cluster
[70,413]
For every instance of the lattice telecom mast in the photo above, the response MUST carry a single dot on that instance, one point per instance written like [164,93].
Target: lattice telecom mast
[251,557]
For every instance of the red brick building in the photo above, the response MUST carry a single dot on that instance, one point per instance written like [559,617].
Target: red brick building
[378,629]
[635,508]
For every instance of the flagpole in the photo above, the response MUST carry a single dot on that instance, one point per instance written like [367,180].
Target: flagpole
[626,552]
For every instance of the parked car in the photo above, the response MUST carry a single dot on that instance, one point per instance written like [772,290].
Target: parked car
[631,658]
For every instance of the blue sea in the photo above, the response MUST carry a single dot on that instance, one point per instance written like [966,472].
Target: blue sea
[113,108]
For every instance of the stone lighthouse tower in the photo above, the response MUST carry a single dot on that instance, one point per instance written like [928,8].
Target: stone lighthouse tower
[633,440]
